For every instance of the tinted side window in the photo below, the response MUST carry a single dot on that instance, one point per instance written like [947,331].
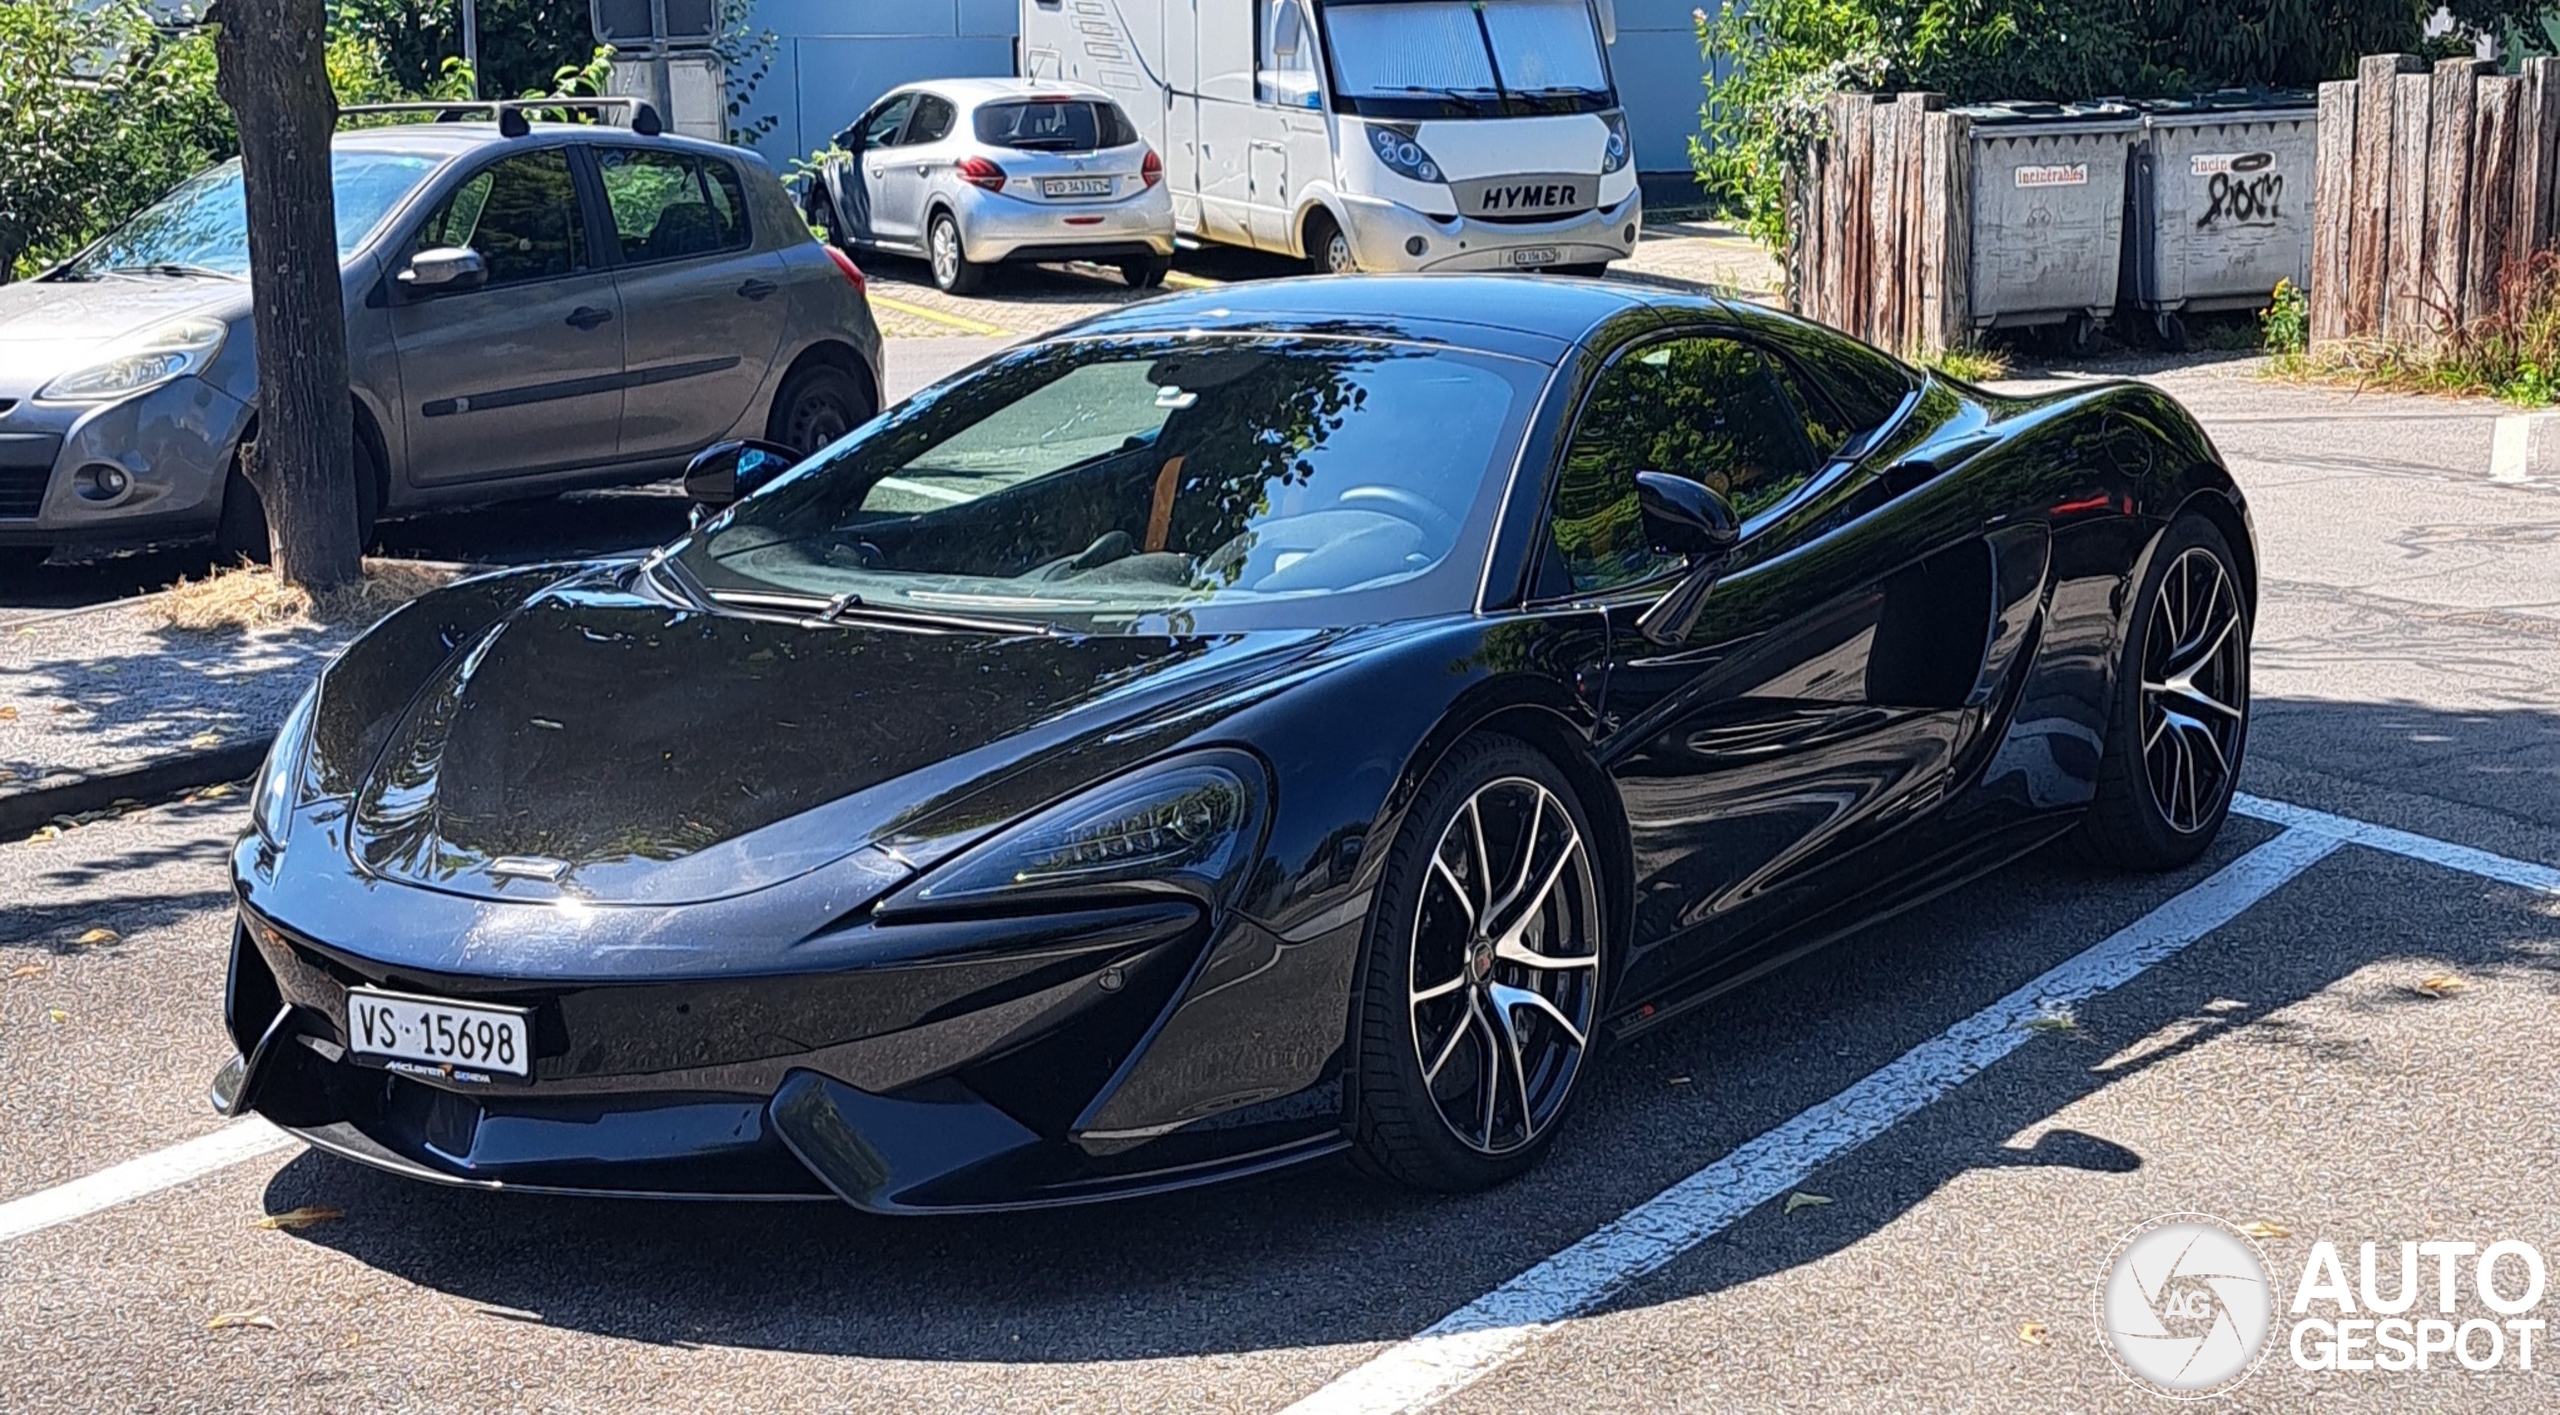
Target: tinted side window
[881,128]
[1706,409]
[662,207]
[932,122]
[520,214]
[1824,427]
[1864,386]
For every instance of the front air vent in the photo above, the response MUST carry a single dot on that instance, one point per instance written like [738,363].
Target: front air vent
[22,491]
[5,405]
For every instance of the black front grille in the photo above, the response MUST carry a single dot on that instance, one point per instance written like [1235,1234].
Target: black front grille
[22,491]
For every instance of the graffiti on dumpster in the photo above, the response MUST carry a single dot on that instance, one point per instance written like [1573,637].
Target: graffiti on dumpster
[2240,190]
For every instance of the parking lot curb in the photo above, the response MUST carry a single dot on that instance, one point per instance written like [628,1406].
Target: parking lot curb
[24,811]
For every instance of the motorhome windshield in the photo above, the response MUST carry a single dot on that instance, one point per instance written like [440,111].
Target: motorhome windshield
[1479,59]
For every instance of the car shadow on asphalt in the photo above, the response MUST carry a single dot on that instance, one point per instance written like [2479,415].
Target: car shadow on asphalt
[1322,1255]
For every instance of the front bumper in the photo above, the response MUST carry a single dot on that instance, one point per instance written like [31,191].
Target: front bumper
[959,1068]
[173,443]
[1383,234]
[996,226]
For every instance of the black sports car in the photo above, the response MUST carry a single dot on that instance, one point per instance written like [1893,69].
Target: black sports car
[1303,717]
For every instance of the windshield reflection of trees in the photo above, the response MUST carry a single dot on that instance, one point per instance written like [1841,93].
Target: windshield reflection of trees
[1260,412]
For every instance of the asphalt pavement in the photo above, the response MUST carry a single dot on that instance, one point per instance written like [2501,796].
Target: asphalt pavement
[1887,1179]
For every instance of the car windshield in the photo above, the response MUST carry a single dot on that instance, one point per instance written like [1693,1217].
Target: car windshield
[1065,125]
[1150,484]
[1400,48]
[203,226]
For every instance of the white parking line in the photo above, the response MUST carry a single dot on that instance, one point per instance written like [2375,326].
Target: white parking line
[2401,842]
[1470,1342]
[161,1169]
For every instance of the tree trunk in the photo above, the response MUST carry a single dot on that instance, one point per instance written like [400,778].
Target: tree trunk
[272,71]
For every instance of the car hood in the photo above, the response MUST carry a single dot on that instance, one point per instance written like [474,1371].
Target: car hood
[599,743]
[48,327]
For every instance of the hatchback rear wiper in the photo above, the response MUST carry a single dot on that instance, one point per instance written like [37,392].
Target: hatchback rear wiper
[823,609]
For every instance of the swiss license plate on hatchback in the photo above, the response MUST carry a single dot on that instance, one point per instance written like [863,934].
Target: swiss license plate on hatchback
[428,1036]
[1076,187]
[1534,255]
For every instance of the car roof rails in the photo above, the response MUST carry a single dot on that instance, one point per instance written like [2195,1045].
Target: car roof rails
[510,112]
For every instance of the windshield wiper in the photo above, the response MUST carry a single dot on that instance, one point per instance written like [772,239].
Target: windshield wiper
[836,609]
[1562,91]
[1463,95]
[171,268]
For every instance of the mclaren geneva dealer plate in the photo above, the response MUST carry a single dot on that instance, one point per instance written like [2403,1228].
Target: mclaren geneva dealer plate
[427,1036]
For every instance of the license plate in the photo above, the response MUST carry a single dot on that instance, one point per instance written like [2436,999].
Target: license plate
[427,1036]
[1534,255]
[1076,187]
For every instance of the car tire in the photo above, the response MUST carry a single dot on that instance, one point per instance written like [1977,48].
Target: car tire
[1328,248]
[953,272]
[2179,719]
[815,406]
[1146,272]
[1435,1106]
[241,532]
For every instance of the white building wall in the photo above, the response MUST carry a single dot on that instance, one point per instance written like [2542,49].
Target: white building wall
[835,56]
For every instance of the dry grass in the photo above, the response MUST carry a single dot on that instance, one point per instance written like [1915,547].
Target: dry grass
[2513,356]
[251,597]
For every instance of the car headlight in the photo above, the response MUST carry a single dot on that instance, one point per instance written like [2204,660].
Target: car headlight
[1401,154]
[1620,151]
[1186,827]
[278,791]
[157,355]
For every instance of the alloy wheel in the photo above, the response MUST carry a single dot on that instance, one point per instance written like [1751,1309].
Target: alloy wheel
[1505,982]
[1337,254]
[2194,690]
[946,252]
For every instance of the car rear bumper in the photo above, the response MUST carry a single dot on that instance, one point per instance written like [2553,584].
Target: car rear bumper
[172,445]
[997,226]
[1384,235]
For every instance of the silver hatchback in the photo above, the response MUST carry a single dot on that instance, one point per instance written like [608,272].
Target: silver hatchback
[970,172]
[531,307]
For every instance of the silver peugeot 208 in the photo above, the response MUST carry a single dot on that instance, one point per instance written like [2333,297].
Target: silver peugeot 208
[970,172]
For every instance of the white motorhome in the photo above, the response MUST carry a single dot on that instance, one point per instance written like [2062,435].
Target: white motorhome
[1369,134]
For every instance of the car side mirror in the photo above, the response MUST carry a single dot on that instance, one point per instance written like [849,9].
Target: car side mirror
[1288,33]
[1682,517]
[724,471]
[444,270]
[850,140]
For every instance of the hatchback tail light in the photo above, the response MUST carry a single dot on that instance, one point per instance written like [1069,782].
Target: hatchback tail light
[851,271]
[1151,171]
[979,172]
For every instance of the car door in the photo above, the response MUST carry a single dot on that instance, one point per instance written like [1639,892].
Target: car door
[1789,725]
[522,373]
[883,131]
[905,174]
[703,307]
[876,128]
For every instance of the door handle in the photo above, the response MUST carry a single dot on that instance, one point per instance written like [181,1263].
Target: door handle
[588,316]
[758,289]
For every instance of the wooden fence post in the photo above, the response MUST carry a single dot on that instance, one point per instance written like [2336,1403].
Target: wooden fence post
[2486,276]
[2404,311]
[2455,103]
[2333,293]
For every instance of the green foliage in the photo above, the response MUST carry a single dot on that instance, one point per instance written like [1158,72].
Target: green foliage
[1972,363]
[1771,63]
[2286,321]
[746,55]
[524,44]
[98,114]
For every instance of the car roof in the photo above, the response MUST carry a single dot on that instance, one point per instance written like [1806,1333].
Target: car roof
[970,92]
[1538,316]
[449,140]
